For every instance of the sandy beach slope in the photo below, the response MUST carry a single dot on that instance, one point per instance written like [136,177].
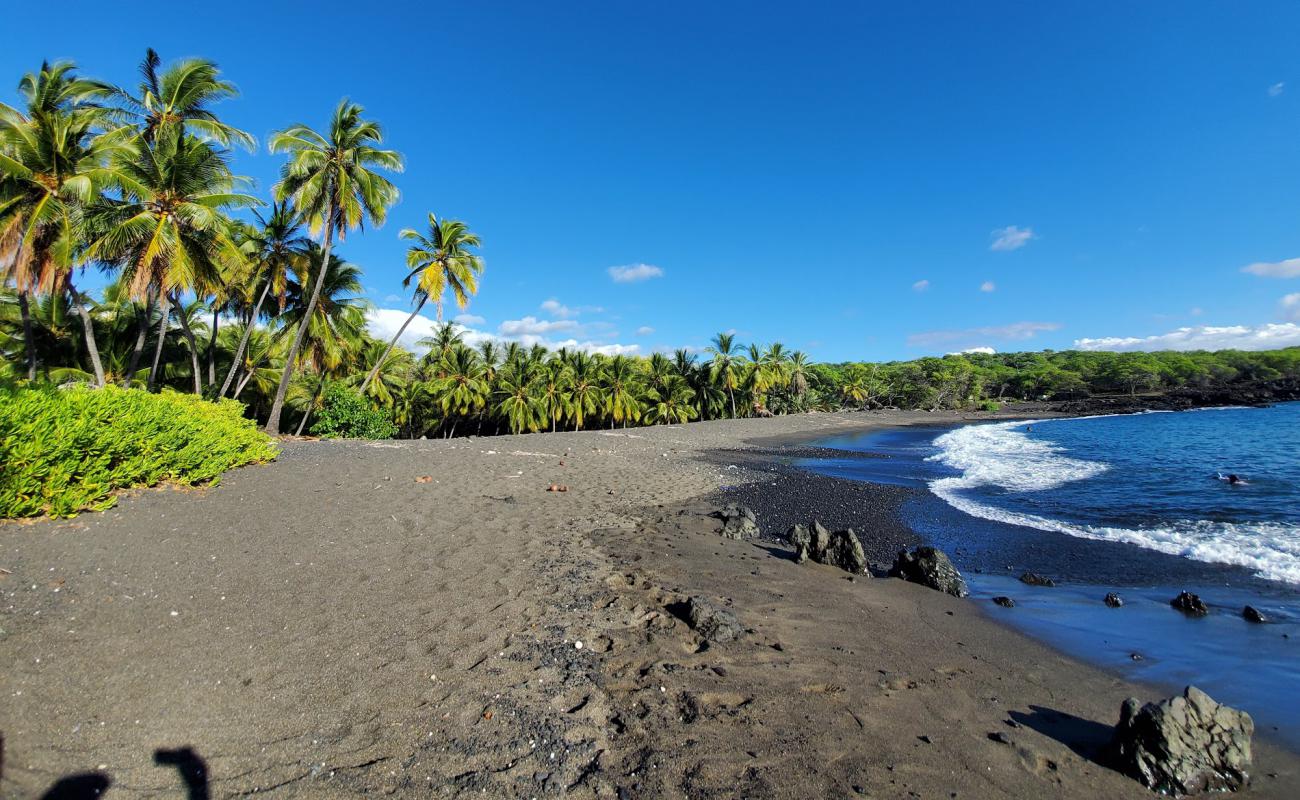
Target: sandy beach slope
[331,625]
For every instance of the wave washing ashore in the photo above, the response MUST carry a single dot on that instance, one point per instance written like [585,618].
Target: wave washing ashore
[1136,504]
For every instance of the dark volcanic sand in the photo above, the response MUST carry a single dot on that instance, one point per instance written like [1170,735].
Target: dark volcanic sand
[327,626]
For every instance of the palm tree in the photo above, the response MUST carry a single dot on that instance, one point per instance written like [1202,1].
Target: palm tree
[671,403]
[169,232]
[332,183]
[583,396]
[798,382]
[54,162]
[621,390]
[519,403]
[336,327]
[553,384]
[440,260]
[464,387]
[726,364]
[275,248]
[307,394]
[444,338]
[390,367]
[182,95]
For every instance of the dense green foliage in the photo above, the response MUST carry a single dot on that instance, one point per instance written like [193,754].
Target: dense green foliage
[211,295]
[344,414]
[67,450]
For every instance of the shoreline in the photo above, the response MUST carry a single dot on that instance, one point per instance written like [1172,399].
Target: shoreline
[329,624]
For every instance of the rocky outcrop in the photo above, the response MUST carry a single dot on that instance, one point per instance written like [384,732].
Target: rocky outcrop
[738,522]
[1005,602]
[840,549]
[1252,614]
[1034,579]
[713,623]
[929,567]
[1190,604]
[1113,600]
[1183,745]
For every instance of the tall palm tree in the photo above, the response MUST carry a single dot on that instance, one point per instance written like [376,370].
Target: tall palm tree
[444,338]
[440,260]
[671,403]
[798,376]
[552,385]
[726,365]
[54,162]
[463,388]
[274,248]
[620,389]
[336,327]
[169,232]
[583,396]
[183,94]
[332,183]
[519,403]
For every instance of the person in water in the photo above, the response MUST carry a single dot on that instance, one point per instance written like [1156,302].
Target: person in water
[1233,479]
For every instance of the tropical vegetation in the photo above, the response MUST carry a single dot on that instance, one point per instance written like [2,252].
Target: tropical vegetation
[211,290]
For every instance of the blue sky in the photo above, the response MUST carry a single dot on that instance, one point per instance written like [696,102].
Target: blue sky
[858,180]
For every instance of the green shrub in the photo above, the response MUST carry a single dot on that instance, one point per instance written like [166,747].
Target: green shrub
[67,450]
[990,405]
[345,414]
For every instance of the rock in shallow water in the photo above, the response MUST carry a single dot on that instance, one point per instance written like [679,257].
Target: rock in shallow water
[1005,602]
[1034,579]
[1253,614]
[929,567]
[1184,745]
[1113,600]
[1190,604]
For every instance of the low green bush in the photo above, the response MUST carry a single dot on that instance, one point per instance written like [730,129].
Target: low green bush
[68,450]
[990,405]
[345,414]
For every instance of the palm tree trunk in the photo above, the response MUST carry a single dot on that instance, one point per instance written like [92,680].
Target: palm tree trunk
[248,376]
[152,380]
[29,338]
[243,342]
[303,422]
[88,326]
[194,349]
[212,345]
[375,371]
[732,395]
[141,336]
[273,420]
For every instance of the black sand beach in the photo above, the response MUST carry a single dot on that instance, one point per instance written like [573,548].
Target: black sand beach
[330,626]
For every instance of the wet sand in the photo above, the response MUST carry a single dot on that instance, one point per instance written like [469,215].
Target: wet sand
[329,626]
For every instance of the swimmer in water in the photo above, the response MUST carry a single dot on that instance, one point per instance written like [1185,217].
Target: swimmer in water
[1232,479]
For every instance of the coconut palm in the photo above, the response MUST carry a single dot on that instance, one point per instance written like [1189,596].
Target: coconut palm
[169,232]
[582,398]
[182,95]
[307,396]
[444,338]
[275,247]
[621,390]
[671,403]
[551,388]
[517,401]
[55,160]
[332,182]
[337,324]
[440,260]
[798,377]
[464,388]
[388,376]
[726,365]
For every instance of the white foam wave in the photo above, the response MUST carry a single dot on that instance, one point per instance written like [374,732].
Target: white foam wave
[1001,455]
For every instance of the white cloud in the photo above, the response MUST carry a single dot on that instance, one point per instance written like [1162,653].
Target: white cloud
[532,326]
[1290,307]
[1277,89]
[644,330]
[392,298]
[557,309]
[1204,337]
[469,319]
[921,285]
[1197,311]
[1015,332]
[988,286]
[384,322]
[988,351]
[1010,238]
[1288,268]
[632,273]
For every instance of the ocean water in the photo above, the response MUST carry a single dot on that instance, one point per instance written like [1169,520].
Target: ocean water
[1134,504]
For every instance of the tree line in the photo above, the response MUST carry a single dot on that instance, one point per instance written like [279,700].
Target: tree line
[215,291]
